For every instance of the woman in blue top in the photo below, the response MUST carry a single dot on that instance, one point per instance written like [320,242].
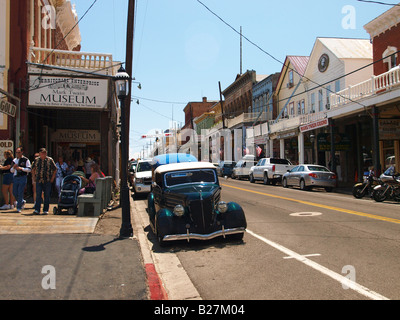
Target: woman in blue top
[7,187]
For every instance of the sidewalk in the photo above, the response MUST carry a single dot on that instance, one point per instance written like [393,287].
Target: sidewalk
[89,262]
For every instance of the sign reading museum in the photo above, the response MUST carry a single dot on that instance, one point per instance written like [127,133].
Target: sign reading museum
[46,91]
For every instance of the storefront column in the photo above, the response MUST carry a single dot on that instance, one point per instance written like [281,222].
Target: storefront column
[375,141]
[300,139]
[282,148]
[271,148]
[333,150]
[397,154]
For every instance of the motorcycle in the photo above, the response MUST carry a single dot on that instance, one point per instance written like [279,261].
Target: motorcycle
[366,187]
[390,189]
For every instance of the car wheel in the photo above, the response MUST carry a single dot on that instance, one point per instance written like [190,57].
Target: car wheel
[303,185]
[55,210]
[251,178]
[284,183]
[328,189]
[236,237]
[266,180]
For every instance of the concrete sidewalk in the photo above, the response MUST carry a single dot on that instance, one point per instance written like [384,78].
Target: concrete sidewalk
[86,259]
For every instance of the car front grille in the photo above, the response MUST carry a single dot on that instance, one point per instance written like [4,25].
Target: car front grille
[202,213]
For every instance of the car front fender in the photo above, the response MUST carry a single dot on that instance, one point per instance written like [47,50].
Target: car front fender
[235,216]
[164,222]
[151,209]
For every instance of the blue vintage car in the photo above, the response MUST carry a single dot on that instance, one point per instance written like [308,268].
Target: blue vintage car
[185,203]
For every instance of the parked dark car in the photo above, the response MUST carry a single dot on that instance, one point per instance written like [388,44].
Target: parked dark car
[225,168]
[185,204]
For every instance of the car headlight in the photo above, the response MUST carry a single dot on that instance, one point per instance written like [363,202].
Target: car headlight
[222,207]
[179,210]
[139,180]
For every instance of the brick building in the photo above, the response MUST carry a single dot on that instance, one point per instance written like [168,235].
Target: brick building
[384,31]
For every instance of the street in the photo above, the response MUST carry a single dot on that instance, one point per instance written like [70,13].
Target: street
[298,245]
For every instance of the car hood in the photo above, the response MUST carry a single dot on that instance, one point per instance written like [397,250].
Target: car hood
[143,174]
[194,191]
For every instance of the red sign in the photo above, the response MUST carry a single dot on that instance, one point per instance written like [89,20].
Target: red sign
[314,125]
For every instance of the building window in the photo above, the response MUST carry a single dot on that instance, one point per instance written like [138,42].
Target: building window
[299,108]
[320,100]
[328,100]
[337,86]
[312,106]
[303,107]
[291,108]
[390,57]
[291,79]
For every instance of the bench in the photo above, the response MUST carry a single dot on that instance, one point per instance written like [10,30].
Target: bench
[98,200]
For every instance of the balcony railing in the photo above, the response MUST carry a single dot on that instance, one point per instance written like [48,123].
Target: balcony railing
[377,84]
[247,118]
[72,59]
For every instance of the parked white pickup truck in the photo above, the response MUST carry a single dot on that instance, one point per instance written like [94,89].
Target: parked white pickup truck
[269,170]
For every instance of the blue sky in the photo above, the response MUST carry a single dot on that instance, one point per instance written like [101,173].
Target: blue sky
[181,50]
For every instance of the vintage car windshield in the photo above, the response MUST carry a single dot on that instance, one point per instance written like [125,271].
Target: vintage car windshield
[191,176]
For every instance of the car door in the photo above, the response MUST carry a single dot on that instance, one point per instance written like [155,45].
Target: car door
[289,177]
[297,175]
[258,169]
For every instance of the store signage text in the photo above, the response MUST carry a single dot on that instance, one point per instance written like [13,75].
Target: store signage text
[76,136]
[314,125]
[8,108]
[68,92]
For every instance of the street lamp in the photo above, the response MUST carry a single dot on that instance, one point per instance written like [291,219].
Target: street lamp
[122,80]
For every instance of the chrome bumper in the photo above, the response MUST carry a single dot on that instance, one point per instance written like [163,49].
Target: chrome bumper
[197,236]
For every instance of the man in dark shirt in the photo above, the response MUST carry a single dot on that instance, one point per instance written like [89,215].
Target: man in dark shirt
[43,172]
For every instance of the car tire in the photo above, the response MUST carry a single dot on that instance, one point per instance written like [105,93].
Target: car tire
[328,189]
[266,180]
[303,185]
[236,237]
[284,183]
[251,178]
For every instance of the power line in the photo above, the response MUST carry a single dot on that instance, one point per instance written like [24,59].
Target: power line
[276,59]
[160,101]
[379,2]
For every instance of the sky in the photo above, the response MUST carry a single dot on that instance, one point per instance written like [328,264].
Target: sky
[182,50]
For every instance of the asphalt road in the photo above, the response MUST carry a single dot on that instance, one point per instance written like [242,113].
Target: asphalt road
[299,245]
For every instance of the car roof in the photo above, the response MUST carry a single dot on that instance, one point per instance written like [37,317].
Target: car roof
[184,166]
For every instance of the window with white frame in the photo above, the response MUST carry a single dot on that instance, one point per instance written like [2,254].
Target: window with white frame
[312,106]
[320,100]
[390,57]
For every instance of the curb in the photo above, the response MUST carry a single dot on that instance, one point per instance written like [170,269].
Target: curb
[167,280]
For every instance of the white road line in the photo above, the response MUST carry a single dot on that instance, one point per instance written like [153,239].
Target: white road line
[343,280]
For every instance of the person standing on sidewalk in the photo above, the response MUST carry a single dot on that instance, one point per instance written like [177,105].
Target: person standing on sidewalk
[21,167]
[62,169]
[44,172]
[7,188]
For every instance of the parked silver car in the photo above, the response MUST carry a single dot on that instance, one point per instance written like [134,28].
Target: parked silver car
[307,176]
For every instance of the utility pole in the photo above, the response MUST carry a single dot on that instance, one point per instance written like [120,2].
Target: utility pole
[129,59]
